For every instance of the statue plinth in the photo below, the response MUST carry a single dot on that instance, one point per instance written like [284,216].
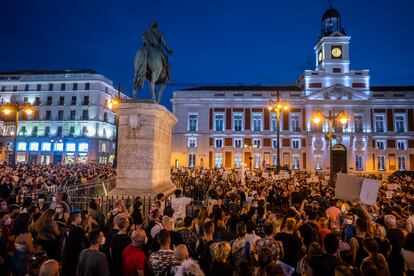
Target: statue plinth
[144,148]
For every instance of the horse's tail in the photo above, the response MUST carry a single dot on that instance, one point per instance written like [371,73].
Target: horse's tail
[141,59]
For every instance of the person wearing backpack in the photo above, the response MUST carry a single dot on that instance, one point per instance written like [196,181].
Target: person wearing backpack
[203,252]
[241,250]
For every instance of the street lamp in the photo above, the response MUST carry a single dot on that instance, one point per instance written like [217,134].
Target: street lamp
[331,117]
[277,107]
[112,103]
[15,107]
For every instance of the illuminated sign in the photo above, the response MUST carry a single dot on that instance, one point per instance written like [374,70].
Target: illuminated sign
[34,146]
[21,146]
[58,147]
[46,146]
[70,154]
[83,147]
[71,147]
[82,154]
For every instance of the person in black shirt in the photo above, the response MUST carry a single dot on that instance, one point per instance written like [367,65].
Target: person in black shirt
[118,243]
[326,263]
[75,242]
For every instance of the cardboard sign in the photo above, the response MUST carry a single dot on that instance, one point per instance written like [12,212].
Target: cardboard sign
[369,191]
[348,187]
[393,186]
[388,194]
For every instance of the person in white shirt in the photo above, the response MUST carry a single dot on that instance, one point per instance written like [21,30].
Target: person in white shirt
[179,204]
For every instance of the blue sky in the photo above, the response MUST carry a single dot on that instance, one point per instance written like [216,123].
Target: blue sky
[214,42]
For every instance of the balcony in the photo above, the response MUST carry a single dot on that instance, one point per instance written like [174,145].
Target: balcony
[400,130]
[296,129]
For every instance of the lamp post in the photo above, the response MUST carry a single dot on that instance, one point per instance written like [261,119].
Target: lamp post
[277,107]
[331,117]
[15,107]
[113,102]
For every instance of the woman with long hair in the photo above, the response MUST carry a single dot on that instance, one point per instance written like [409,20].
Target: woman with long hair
[48,234]
[371,247]
[23,243]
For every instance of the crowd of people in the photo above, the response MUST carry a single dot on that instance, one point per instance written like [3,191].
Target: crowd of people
[252,224]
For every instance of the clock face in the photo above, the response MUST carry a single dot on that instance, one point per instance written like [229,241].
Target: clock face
[336,52]
[320,56]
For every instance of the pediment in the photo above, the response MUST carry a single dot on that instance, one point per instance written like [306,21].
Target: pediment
[338,92]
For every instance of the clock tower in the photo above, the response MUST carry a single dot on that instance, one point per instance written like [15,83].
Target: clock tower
[332,48]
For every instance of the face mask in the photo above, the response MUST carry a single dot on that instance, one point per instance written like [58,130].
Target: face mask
[348,221]
[41,200]
[7,221]
[58,210]
[103,241]
[54,199]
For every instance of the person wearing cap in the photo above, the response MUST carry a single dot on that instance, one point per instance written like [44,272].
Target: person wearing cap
[75,242]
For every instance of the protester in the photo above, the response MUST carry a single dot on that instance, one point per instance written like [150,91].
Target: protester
[92,262]
[134,260]
[163,259]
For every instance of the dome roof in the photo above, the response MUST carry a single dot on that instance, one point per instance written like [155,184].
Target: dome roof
[331,12]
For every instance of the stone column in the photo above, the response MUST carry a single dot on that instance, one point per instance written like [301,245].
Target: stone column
[144,148]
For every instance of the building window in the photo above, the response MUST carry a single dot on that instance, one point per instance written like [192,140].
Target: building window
[274,159]
[401,145]
[257,143]
[218,142]
[192,142]
[274,122]
[238,143]
[257,122]
[61,100]
[22,131]
[87,86]
[380,145]
[401,163]
[295,123]
[73,102]
[38,87]
[318,162]
[59,131]
[237,122]
[295,143]
[48,114]
[218,162]
[237,160]
[37,101]
[60,115]
[103,147]
[381,163]
[63,86]
[75,86]
[85,100]
[295,162]
[72,115]
[105,117]
[400,123]
[49,100]
[34,131]
[274,143]
[191,160]
[359,165]
[50,88]
[256,160]
[26,87]
[379,123]
[84,130]
[25,100]
[192,122]
[85,114]
[218,122]
[359,127]
[47,131]
[72,131]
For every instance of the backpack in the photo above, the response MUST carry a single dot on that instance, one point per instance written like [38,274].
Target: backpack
[202,253]
[110,223]
[241,255]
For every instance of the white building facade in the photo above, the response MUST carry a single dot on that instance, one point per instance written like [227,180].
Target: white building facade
[71,122]
[226,126]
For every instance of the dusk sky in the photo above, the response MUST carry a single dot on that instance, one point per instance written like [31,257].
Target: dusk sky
[214,42]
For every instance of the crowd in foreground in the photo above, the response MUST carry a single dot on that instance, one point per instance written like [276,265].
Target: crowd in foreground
[252,224]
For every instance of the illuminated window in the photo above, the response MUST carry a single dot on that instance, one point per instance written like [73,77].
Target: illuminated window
[34,146]
[381,163]
[22,146]
[58,147]
[83,147]
[237,160]
[218,160]
[71,147]
[46,146]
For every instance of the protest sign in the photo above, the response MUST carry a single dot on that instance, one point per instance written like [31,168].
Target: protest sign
[369,191]
[348,187]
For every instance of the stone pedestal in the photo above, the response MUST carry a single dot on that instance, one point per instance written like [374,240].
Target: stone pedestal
[144,148]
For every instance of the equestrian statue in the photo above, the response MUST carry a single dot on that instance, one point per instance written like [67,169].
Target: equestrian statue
[151,62]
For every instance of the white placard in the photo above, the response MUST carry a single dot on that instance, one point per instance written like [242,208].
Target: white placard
[369,191]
